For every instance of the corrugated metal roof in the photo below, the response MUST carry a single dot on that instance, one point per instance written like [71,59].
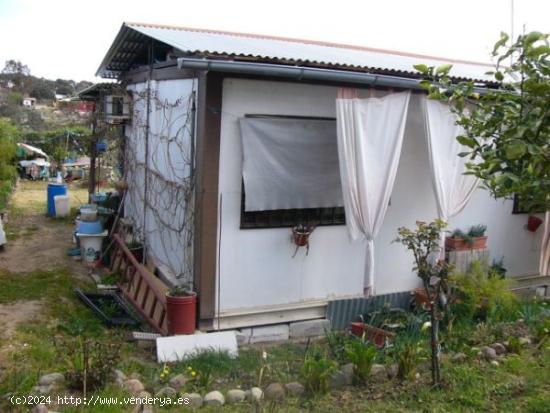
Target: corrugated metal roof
[242,46]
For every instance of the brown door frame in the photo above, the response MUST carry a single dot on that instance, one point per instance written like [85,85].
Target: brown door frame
[209,103]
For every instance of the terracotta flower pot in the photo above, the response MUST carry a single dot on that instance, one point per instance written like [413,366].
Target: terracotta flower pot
[375,335]
[533,223]
[460,244]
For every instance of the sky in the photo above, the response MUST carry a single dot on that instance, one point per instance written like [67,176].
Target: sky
[69,38]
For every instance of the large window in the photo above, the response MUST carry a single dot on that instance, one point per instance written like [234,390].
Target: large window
[290,172]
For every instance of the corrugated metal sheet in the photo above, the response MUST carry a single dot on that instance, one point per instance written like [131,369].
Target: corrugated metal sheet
[342,312]
[275,49]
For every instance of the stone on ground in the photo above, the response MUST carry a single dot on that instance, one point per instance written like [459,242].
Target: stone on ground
[459,358]
[235,396]
[214,398]
[166,392]
[488,353]
[133,386]
[499,348]
[275,391]
[51,379]
[378,371]
[177,382]
[254,395]
[342,378]
[195,400]
[392,371]
[294,388]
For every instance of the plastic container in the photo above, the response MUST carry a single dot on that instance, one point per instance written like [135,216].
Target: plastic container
[88,227]
[62,206]
[101,146]
[90,247]
[54,190]
[181,313]
[88,214]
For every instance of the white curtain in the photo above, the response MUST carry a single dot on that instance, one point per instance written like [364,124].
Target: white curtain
[452,188]
[290,163]
[545,250]
[370,136]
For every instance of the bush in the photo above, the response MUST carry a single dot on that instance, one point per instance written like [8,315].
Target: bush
[482,294]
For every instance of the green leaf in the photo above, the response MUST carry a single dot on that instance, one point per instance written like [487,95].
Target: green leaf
[533,37]
[539,50]
[515,150]
[534,149]
[444,69]
[422,69]
[503,39]
[425,84]
[466,141]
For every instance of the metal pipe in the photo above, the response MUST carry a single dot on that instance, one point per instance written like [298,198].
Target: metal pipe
[302,73]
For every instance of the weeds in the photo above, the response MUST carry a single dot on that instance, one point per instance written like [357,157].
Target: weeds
[317,370]
[362,354]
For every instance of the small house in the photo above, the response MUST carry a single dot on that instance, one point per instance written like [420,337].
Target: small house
[232,141]
[29,102]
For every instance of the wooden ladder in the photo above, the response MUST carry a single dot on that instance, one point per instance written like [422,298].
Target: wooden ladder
[139,286]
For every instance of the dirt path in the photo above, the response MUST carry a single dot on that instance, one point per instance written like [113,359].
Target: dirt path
[35,242]
[38,242]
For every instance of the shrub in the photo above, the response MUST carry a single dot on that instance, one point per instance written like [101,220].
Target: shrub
[407,356]
[480,294]
[316,371]
[362,354]
[89,362]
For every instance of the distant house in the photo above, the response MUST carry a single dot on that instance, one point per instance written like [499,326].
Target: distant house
[29,102]
[241,130]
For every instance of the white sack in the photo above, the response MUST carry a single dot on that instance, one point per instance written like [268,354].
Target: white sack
[290,163]
[370,136]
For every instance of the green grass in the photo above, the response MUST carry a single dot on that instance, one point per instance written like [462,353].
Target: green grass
[35,285]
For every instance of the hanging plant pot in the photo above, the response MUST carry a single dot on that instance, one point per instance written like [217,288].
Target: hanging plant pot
[301,239]
[533,223]
[300,236]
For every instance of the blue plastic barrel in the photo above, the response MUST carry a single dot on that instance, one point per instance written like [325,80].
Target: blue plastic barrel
[53,190]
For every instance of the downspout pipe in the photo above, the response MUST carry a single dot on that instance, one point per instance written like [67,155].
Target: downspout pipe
[302,73]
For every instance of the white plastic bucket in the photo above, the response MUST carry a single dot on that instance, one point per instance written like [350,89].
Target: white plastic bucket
[62,205]
[88,214]
[90,246]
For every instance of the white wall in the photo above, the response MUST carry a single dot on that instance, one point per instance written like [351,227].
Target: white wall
[256,265]
[169,227]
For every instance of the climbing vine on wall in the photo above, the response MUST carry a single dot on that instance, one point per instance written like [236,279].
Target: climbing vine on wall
[159,167]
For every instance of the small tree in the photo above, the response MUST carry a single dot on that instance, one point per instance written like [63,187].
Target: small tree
[507,128]
[424,244]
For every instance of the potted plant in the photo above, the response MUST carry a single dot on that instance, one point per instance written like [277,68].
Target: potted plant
[300,236]
[181,310]
[474,239]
